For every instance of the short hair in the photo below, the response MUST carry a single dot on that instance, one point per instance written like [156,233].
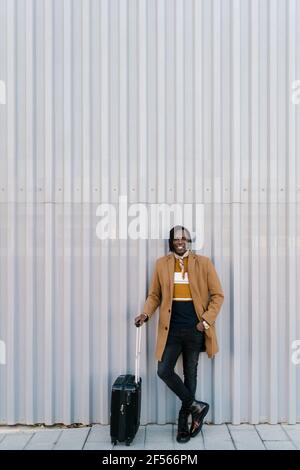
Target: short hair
[172,233]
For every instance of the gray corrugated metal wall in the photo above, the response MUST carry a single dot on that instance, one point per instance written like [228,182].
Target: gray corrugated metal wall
[162,101]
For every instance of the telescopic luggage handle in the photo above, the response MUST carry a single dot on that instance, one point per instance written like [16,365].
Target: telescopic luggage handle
[138,353]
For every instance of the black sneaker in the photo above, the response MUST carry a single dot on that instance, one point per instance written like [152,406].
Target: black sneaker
[183,433]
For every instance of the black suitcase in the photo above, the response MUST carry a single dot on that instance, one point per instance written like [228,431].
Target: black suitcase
[126,403]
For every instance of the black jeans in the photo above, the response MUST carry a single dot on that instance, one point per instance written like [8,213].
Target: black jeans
[189,342]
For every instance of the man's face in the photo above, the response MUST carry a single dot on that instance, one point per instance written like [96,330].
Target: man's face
[180,242]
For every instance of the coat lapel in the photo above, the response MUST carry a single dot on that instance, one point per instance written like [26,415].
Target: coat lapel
[193,283]
[171,269]
[191,267]
[191,271]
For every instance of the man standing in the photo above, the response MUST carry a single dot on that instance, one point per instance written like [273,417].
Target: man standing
[189,292]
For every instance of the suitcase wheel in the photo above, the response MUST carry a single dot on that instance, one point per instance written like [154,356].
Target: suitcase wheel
[114,441]
[128,442]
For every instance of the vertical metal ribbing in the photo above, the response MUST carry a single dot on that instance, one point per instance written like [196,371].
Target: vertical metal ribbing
[161,104]
[105,380]
[11,376]
[30,219]
[123,106]
[254,230]
[273,157]
[67,215]
[236,211]
[198,99]
[291,225]
[178,195]
[84,413]
[49,216]
[235,302]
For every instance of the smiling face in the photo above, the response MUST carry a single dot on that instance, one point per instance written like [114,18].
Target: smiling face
[180,242]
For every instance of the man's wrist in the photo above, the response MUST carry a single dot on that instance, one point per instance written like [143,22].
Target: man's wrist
[146,315]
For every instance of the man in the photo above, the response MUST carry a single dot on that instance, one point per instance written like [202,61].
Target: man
[188,290]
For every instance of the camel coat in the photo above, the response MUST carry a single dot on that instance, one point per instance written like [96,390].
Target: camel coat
[207,295]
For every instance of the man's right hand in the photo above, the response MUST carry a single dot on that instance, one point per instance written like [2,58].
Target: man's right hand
[140,319]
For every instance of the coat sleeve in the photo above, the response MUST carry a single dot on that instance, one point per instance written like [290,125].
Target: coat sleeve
[216,294]
[154,294]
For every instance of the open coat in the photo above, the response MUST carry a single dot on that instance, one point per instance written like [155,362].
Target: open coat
[207,295]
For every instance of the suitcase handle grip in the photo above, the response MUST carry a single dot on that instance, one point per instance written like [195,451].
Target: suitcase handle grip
[138,353]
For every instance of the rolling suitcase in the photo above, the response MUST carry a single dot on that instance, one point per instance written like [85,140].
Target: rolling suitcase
[126,401]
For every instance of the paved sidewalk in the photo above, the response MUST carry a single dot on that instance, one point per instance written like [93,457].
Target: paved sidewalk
[152,436]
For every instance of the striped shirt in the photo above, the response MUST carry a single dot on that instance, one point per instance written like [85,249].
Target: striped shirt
[181,291]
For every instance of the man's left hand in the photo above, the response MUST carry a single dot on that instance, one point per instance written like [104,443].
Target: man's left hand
[200,326]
